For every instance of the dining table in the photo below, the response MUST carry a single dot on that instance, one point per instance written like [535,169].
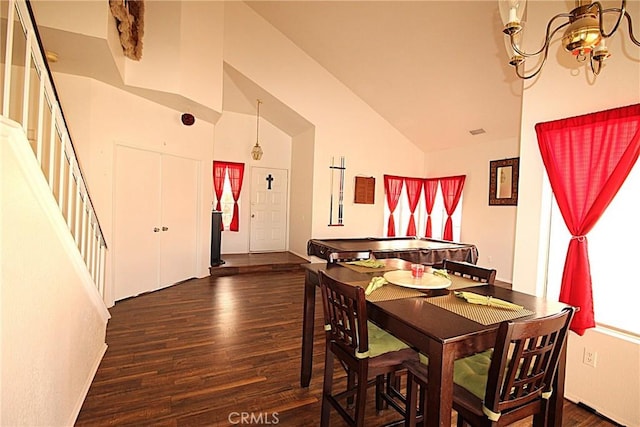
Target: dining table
[435,322]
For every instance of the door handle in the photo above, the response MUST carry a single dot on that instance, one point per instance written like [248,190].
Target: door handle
[165,228]
[156,229]
[253,215]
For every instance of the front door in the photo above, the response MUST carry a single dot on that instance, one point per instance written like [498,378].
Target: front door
[268,210]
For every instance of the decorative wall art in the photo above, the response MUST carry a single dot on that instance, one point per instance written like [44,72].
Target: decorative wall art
[503,182]
[336,201]
[365,190]
[129,16]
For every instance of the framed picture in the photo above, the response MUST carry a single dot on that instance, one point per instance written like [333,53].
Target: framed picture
[503,182]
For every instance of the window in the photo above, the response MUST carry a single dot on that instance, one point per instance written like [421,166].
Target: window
[438,216]
[226,203]
[227,183]
[613,254]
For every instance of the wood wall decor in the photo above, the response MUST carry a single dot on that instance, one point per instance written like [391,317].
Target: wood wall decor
[365,190]
[129,16]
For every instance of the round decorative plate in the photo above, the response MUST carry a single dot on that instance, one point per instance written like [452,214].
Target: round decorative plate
[427,281]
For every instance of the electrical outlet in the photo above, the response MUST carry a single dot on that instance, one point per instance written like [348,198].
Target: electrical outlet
[589,357]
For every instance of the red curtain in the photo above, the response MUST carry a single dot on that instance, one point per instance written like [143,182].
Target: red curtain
[219,170]
[451,192]
[587,159]
[392,188]
[430,189]
[414,188]
[236,173]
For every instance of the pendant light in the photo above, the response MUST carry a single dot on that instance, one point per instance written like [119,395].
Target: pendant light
[256,152]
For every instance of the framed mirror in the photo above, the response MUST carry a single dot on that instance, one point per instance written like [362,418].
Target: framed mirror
[503,182]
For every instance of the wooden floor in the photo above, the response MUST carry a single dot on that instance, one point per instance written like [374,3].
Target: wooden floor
[209,351]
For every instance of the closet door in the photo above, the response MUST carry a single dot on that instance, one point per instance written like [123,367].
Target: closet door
[179,211]
[136,253]
[155,221]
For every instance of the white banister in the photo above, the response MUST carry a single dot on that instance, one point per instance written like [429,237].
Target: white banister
[26,81]
[64,176]
[62,171]
[40,126]
[7,59]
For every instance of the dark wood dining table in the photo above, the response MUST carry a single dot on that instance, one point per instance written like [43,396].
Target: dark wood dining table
[437,332]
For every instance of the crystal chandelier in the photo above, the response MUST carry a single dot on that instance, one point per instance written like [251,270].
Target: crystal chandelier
[256,152]
[584,33]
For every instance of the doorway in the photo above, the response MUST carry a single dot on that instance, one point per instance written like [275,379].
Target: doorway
[269,208]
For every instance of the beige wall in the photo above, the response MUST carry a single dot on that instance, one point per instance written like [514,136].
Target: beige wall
[344,124]
[565,90]
[102,116]
[52,319]
[235,135]
[490,228]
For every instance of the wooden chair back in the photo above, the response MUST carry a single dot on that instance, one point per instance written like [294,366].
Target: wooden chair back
[348,256]
[471,271]
[345,314]
[524,362]
[347,338]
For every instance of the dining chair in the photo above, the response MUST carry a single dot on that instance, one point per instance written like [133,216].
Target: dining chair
[348,256]
[365,352]
[510,382]
[471,271]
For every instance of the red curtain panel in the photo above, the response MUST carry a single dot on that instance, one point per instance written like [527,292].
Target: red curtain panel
[392,189]
[451,192]
[414,188]
[236,173]
[219,170]
[430,189]
[587,159]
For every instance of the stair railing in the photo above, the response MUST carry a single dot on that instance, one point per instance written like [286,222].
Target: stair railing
[29,98]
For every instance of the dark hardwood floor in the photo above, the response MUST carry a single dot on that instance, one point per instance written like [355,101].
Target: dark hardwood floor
[210,351]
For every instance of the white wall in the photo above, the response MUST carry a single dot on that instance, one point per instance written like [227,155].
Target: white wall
[344,124]
[101,116]
[182,51]
[95,20]
[53,321]
[490,228]
[301,211]
[235,135]
[561,91]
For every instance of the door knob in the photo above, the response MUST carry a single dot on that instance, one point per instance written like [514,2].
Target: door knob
[253,215]
[156,229]
[165,228]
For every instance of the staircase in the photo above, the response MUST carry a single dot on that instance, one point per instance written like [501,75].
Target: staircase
[29,98]
[52,248]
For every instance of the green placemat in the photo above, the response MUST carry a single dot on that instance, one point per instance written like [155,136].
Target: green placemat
[482,314]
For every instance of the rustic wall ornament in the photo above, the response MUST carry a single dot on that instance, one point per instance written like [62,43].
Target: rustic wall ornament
[129,16]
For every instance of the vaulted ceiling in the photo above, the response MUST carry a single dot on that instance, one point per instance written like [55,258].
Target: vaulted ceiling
[435,70]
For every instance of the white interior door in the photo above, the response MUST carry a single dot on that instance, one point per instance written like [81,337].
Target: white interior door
[155,220]
[268,210]
[136,252]
[179,211]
